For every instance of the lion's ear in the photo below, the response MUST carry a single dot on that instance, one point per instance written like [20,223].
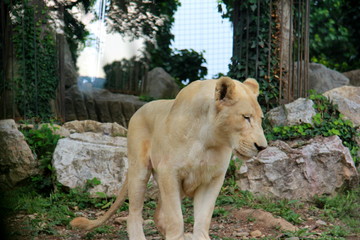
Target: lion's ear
[253,85]
[225,90]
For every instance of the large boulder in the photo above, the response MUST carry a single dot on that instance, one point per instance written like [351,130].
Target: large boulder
[354,77]
[70,72]
[161,85]
[111,129]
[294,113]
[348,100]
[87,155]
[75,107]
[323,79]
[299,170]
[16,159]
[100,105]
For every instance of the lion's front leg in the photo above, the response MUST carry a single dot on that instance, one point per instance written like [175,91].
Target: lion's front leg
[170,210]
[138,178]
[204,203]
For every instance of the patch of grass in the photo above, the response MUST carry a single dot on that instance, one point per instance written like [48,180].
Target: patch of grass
[232,195]
[301,233]
[99,231]
[282,208]
[220,212]
[45,212]
[344,206]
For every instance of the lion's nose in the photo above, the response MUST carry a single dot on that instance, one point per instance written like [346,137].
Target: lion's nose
[259,148]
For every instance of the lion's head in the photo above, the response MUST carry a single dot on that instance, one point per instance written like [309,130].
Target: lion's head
[239,116]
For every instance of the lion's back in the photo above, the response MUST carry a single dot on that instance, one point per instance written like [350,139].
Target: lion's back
[149,114]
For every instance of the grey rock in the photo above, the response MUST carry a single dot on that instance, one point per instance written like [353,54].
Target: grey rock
[354,77]
[100,105]
[16,159]
[111,129]
[323,79]
[75,107]
[70,72]
[294,113]
[348,100]
[161,85]
[318,166]
[84,156]
[266,219]
[320,223]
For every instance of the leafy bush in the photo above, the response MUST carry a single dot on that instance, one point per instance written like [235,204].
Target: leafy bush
[187,66]
[42,142]
[334,32]
[328,121]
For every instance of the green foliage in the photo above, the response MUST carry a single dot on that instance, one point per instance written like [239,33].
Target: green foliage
[36,55]
[234,166]
[220,212]
[334,30]
[75,31]
[327,122]
[186,66]
[146,98]
[160,51]
[42,142]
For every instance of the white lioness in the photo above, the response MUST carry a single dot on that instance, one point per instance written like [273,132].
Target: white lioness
[186,144]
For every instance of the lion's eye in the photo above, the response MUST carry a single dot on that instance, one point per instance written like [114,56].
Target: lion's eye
[247,118]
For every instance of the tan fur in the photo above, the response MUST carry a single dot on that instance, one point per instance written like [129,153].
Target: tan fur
[186,144]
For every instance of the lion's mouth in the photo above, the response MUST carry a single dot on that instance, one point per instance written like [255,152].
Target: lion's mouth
[241,155]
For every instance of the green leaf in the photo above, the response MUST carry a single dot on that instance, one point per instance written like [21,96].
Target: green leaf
[101,194]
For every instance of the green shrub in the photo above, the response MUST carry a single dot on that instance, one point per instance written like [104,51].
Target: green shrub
[42,142]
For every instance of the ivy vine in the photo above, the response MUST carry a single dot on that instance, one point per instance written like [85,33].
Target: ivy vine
[35,50]
[256,45]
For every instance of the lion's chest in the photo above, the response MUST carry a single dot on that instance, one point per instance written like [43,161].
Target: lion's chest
[200,166]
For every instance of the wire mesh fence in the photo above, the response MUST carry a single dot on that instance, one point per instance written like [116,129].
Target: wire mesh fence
[199,26]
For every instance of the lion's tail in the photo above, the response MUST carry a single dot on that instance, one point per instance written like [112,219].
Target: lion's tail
[84,223]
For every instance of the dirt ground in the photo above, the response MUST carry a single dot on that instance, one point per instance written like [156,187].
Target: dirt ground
[234,223]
